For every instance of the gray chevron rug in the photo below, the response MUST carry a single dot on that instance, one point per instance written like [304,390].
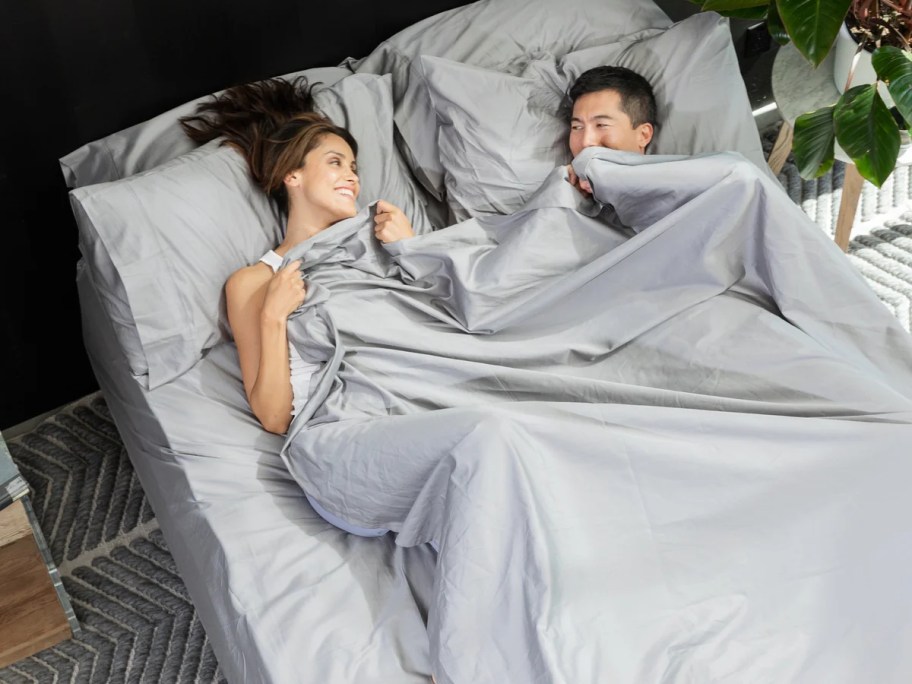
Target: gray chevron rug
[137,622]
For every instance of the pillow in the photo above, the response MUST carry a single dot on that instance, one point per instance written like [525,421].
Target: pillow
[703,105]
[501,35]
[363,103]
[500,135]
[152,142]
[160,244]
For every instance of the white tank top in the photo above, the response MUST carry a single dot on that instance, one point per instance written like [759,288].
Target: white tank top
[302,372]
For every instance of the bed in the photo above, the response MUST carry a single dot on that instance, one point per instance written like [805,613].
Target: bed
[704,480]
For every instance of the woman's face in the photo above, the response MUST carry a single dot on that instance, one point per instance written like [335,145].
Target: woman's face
[326,187]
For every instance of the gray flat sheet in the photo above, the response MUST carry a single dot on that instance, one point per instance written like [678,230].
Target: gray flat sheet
[676,456]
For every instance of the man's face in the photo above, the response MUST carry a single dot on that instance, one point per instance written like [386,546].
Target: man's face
[599,121]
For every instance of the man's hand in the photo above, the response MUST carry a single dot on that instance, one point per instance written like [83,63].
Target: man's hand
[582,185]
[391,223]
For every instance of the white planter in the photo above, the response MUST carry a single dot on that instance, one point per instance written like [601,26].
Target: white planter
[843,53]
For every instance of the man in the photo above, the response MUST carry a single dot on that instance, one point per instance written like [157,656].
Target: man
[611,107]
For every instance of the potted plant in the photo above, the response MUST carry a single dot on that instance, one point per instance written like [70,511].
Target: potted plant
[864,126]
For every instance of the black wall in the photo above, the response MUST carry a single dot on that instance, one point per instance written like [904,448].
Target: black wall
[72,71]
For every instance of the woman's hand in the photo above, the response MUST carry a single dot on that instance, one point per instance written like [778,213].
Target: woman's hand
[285,292]
[582,185]
[391,223]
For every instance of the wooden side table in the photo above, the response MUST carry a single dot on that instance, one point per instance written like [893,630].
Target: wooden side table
[35,611]
[799,88]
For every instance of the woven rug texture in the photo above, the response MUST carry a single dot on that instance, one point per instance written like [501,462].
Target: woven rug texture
[881,243]
[137,621]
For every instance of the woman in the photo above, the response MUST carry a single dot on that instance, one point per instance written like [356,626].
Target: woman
[308,164]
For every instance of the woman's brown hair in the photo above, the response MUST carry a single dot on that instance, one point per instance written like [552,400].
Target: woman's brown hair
[272,123]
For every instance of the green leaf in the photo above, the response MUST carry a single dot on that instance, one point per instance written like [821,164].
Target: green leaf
[894,66]
[813,25]
[722,6]
[774,24]
[738,9]
[867,132]
[812,145]
[746,13]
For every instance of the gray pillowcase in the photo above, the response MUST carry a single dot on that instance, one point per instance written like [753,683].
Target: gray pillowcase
[160,244]
[363,104]
[500,35]
[500,135]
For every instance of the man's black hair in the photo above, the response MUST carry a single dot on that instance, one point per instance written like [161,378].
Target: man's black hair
[637,99]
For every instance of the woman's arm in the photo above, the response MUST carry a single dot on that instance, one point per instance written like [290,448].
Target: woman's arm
[258,307]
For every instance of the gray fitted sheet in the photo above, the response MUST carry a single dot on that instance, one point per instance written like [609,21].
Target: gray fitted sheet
[284,596]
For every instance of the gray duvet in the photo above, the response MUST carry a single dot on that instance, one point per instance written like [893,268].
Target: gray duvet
[664,443]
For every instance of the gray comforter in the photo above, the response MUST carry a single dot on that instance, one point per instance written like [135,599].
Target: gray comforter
[672,452]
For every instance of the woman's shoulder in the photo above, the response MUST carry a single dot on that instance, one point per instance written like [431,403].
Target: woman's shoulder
[248,277]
